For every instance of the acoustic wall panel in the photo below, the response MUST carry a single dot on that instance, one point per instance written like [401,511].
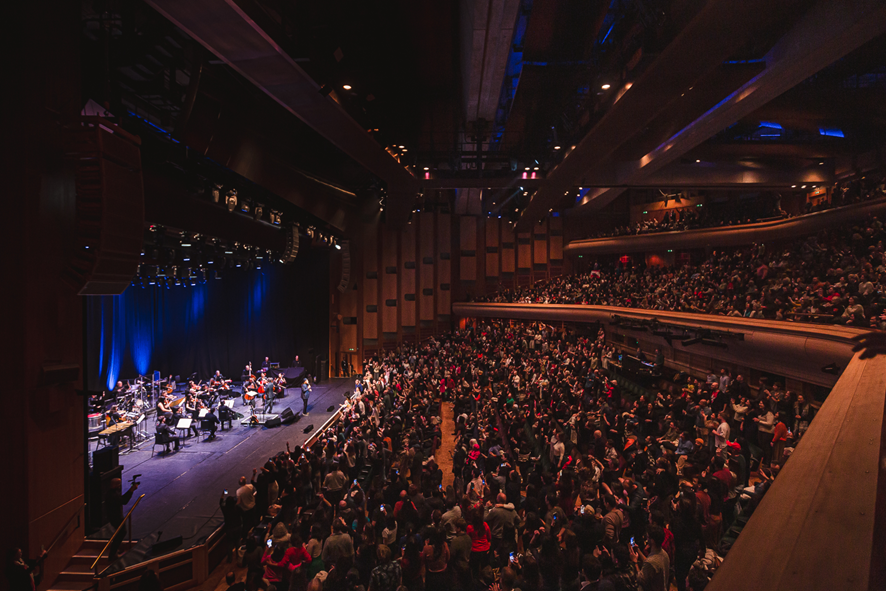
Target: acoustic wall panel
[468,243]
[427,263]
[524,250]
[493,247]
[369,280]
[408,265]
[390,270]
[508,248]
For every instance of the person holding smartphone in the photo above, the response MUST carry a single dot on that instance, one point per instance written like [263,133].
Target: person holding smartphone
[654,570]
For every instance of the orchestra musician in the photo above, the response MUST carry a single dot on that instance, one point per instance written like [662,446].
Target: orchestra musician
[162,427]
[213,422]
[192,409]
[163,408]
[225,415]
[114,417]
[266,365]
[119,389]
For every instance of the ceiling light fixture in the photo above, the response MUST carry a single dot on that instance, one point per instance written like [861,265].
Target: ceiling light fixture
[698,161]
[556,147]
[605,87]
[346,86]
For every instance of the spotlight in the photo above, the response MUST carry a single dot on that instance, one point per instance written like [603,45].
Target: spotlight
[556,147]
[346,86]
[231,199]
[606,87]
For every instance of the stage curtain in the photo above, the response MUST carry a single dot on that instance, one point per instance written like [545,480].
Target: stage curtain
[221,324]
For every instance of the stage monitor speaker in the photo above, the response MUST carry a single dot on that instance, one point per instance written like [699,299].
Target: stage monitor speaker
[273,422]
[345,266]
[166,546]
[288,417]
[109,231]
[105,459]
[308,429]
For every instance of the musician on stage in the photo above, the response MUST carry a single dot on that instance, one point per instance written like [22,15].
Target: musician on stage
[266,365]
[114,417]
[192,409]
[305,394]
[119,389]
[162,427]
[213,422]
[225,415]
[163,409]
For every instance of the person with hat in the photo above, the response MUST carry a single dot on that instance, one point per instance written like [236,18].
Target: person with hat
[305,394]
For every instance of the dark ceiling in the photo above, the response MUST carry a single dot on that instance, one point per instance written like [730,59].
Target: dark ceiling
[413,67]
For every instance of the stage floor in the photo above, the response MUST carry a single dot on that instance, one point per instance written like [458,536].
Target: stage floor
[182,489]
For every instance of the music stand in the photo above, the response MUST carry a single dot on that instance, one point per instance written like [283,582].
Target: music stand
[183,424]
[229,403]
[203,412]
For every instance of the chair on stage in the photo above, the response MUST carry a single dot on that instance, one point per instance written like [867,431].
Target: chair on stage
[206,428]
[163,439]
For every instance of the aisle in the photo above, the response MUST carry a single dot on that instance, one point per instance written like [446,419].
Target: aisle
[447,442]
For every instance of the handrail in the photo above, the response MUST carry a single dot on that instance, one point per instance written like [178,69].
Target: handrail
[116,531]
[63,529]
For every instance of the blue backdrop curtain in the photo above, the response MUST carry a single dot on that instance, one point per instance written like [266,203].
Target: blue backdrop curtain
[278,312]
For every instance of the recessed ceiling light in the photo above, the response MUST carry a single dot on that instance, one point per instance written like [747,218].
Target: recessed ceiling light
[793,186]
[405,150]
[556,147]
[346,86]
[536,168]
[821,163]
[426,168]
[527,168]
[803,187]
[605,87]
[401,147]
[697,161]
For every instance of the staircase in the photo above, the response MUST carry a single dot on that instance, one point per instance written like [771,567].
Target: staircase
[78,575]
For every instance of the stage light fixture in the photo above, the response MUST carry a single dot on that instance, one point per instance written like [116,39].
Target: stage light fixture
[346,86]
[338,247]
[231,199]
[245,206]
[215,192]
[606,87]
[556,147]
[258,211]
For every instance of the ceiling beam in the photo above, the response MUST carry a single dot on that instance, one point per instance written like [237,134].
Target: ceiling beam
[719,28]
[224,29]
[825,33]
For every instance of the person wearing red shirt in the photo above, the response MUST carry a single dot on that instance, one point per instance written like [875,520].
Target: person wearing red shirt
[481,538]
[779,437]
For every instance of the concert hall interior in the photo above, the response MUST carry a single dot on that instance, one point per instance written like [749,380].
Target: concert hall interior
[457,295]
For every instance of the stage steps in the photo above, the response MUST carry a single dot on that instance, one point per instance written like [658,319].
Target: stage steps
[77,574]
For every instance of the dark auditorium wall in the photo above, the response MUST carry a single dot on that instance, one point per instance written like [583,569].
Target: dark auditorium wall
[43,432]
[403,281]
[222,324]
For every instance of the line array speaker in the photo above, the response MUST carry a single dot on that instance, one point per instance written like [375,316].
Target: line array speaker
[110,208]
[291,245]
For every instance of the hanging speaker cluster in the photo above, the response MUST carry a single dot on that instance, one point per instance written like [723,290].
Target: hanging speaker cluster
[291,245]
[345,266]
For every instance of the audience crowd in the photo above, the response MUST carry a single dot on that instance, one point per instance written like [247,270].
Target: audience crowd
[731,213]
[558,479]
[836,276]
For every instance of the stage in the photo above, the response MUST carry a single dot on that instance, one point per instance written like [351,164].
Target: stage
[182,489]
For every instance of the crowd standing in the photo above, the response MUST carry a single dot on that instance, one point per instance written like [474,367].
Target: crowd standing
[733,213]
[836,276]
[558,479]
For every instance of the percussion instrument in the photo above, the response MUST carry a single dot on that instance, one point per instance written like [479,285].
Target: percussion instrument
[118,428]
[95,421]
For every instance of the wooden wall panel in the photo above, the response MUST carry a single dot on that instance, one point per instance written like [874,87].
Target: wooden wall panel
[508,249]
[524,251]
[370,286]
[426,274]
[407,276]
[492,240]
[556,248]
[540,244]
[468,244]
[389,280]
[444,296]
